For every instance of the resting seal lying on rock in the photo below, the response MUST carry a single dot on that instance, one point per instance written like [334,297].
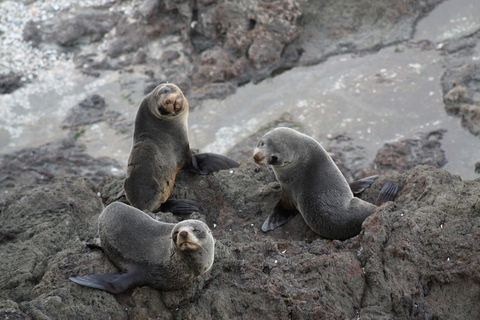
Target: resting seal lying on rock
[164,256]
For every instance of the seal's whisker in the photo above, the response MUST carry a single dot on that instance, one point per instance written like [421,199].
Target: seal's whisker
[261,167]
[202,248]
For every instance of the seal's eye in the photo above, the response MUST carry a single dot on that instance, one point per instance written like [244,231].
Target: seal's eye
[261,144]
[197,231]
[168,101]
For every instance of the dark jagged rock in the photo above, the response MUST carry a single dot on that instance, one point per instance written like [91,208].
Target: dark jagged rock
[208,42]
[411,258]
[10,82]
[349,157]
[72,28]
[38,166]
[459,86]
[461,81]
[407,154]
[90,110]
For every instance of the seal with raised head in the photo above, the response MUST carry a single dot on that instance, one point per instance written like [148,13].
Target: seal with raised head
[161,149]
[164,256]
[312,184]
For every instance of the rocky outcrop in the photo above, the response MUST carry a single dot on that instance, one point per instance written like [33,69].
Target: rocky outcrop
[406,154]
[415,258]
[209,47]
[10,82]
[38,166]
[460,82]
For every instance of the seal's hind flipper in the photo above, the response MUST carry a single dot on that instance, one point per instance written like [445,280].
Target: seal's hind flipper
[120,195]
[360,185]
[205,163]
[110,282]
[388,193]
[279,216]
[180,206]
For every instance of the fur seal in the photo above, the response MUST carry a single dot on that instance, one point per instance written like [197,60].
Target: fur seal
[161,149]
[164,256]
[312,184]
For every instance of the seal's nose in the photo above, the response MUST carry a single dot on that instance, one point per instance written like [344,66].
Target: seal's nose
[177,105]
[184,234]
[258,157]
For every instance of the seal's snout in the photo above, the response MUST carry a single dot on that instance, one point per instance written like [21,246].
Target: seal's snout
[258,158]
[177,105]
[185,239]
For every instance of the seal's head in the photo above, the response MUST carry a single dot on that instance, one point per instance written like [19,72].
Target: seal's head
[276,148]
[194,238]
[167,100]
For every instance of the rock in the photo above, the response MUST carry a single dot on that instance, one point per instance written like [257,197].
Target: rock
[362,26]
[210,91]
[38,166]
[460,82]
[406,154]
[10,310]
[460,87]
[90,110]
[156,20]
[10,82]
[411,258]
[216,41]
[233,39]
[72,28]
[350,157]
[416,252]
[45,220]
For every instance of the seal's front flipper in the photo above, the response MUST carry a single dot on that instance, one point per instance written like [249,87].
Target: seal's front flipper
[180,206]
[279,216]
[388,193]
[359,185]
[110,282]
[205,163]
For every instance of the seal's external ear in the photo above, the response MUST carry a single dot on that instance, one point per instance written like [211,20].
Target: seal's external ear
[205,163]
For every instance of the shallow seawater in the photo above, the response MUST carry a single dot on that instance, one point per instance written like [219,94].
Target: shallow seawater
[450,19]
[384,97]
